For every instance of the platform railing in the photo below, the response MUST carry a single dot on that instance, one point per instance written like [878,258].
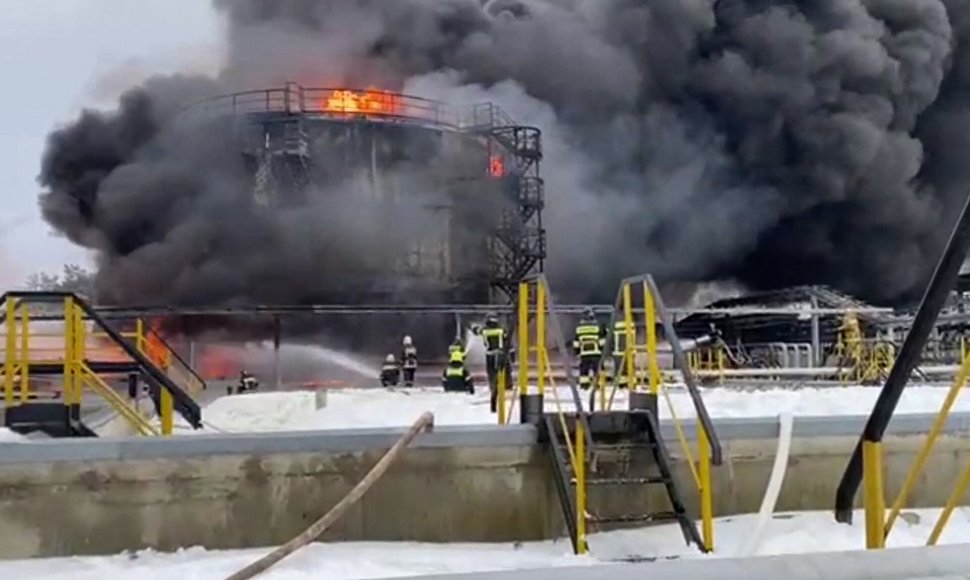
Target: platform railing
[76,359]
[536,326]
[344,102]
[915,471]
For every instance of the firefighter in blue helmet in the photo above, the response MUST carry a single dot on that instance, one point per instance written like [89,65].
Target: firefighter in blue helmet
[390,372]
[455,378]
[588,345]
[409,361]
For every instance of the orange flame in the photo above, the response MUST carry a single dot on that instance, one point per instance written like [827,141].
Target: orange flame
[369,102]
[496,167]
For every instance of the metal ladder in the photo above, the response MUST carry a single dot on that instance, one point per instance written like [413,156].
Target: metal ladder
[643,435]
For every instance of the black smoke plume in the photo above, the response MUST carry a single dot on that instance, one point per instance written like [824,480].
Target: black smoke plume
[768,142]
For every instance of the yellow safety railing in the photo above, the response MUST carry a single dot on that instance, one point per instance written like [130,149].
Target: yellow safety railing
[16,367]
[20,353]
[647,366]
[710,359]
[534,313]
[878,523]
[861,360]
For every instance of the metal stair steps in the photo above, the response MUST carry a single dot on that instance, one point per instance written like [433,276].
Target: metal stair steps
[622,481]
[631,518]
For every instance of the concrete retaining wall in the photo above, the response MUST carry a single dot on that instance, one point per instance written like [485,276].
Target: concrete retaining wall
[457,484]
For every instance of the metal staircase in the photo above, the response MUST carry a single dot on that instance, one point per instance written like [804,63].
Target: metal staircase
[632,445]
[593,455]
[86,355]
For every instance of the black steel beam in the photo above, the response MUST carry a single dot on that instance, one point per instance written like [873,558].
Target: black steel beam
[940,285]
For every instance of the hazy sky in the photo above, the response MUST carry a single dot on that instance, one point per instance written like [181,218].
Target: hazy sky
[59,56]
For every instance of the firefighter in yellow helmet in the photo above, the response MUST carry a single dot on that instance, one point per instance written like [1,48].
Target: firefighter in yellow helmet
[455,378]
[588,346]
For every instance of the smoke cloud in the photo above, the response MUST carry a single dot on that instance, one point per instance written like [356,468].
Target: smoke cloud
[768,143]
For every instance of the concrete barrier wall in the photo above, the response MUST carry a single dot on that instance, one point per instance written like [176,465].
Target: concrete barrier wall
[939,563]
[457,484]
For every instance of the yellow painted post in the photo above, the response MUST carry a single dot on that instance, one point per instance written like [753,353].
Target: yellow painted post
[168,412]
[79,353]
[924,453]
[630,338]
[68,351]
[140,335]
[651,321]
[873,499]
[24,352]
[951,503]
[541,338]
[523,347]
[10,353]
[706,491]
[580,470]
[601,385]
[500,399]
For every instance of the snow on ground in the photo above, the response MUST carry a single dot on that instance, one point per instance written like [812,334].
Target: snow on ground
[357,408]
[785,534]
[8,436]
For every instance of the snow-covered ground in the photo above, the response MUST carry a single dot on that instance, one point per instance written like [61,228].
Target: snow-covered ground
[8,436]
[785,534]
[355,408]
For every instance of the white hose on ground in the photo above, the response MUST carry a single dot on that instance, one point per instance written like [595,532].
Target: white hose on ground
[785,423]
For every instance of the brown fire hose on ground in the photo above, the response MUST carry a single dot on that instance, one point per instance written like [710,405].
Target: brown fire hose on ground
[424,423]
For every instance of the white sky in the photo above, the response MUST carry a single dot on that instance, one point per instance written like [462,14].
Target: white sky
[58,56]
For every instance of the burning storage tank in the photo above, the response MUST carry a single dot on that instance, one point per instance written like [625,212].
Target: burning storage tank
[458,189]
[448,199]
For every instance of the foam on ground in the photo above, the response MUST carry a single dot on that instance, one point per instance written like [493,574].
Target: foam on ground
[785,534]
[360,408]
[8,436]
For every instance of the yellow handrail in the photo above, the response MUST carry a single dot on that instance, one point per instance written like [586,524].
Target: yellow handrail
[22,341]
[923,455]
[10,359]
[701,469]
[575,444]
[117,402]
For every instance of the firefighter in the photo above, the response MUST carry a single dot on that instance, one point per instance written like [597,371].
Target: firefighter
[494,336]
[409,360]
[390,372]
[619,354]
[247,383]
[455,378]
[588,345]
[456,347]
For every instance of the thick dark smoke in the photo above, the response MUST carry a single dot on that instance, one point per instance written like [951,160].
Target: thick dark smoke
[768,142]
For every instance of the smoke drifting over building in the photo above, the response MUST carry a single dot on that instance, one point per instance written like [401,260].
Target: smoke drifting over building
[767,142]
